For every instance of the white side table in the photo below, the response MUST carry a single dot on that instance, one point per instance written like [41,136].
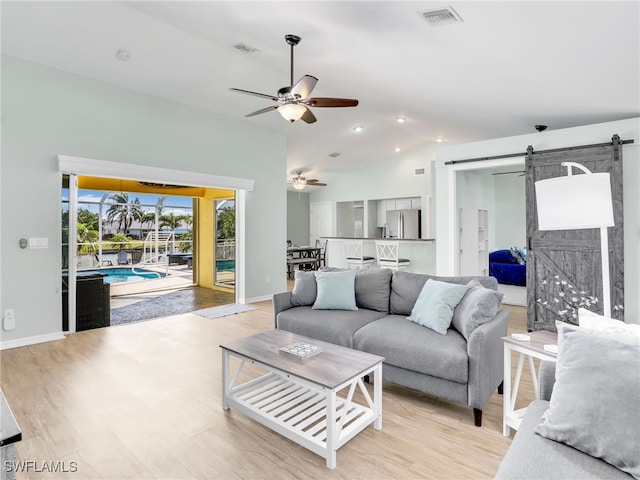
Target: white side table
[534,348]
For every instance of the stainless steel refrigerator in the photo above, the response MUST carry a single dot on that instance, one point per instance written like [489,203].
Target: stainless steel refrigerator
[404,223]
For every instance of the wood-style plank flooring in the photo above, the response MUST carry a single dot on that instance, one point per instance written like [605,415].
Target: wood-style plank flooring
[143,400]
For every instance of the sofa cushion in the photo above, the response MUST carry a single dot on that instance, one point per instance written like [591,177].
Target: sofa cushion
[406,286]
[336,291]
[408,345]
[434,307]
[333,326]
[304,289]
[373,287]
[594,405]
[533,457]
[478,306]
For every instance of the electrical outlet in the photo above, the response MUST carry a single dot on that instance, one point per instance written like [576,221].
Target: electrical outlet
[267,279]
[9,320]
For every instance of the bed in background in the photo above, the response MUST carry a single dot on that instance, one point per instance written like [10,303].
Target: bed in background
[509,267]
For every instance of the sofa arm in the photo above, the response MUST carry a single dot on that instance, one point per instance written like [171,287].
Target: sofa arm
[486,359]
[281,302]
[547,379]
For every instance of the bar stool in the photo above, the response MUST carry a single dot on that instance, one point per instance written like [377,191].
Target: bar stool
[353,254]
[387,252]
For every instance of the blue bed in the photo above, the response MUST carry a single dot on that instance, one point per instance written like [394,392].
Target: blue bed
[509,267]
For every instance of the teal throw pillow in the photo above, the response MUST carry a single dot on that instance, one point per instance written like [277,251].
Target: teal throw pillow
[336,291]
[435,304]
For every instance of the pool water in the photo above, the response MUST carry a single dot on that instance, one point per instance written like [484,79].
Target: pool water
[225,265]
[122,275]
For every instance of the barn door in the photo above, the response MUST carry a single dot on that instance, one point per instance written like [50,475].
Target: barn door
[564,266]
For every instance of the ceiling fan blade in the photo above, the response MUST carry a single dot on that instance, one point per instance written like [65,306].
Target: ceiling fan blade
[255,94]
[332,102]
[308,117]
[316,184]
[304,86]
[262,110]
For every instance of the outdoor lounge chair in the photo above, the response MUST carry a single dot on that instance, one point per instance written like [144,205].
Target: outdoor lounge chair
[123,258]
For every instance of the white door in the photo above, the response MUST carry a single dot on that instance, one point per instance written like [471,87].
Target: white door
[321,221]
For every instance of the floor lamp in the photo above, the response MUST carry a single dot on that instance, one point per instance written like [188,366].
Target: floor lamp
[578,202]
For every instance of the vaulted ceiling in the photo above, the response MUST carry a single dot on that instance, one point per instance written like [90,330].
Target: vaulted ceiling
[504,68]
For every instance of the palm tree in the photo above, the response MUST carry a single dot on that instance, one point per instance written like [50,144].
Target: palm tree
[124,211]
[171,220]
[148,218]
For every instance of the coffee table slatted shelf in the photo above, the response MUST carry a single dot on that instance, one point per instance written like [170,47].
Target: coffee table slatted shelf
[302,408]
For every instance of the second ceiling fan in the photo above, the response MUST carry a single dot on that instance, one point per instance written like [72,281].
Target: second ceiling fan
[293,101]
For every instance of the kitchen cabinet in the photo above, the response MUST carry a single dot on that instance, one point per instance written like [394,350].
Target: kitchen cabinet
[403,204]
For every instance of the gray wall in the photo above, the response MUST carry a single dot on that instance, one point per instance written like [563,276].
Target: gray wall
[510,215]
[47,112]
[298,217]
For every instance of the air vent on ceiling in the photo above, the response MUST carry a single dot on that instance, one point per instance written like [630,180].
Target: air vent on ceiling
[419,171]
[334,154]
[441,16]
[243,47]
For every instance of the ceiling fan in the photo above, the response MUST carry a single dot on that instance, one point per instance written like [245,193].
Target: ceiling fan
[293,101]
[299,182]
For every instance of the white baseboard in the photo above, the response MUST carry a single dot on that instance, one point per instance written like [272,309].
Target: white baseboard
[255,299]
[23,342]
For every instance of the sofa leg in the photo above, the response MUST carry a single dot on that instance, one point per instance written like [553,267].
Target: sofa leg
[477,417]
[366,379]
[501,388]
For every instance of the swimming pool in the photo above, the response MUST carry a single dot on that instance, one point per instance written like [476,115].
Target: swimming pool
[225,265]
[126,274]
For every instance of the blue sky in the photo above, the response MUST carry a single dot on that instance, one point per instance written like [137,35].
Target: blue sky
[89,199]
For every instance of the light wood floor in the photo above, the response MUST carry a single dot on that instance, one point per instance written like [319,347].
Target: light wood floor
[143,400]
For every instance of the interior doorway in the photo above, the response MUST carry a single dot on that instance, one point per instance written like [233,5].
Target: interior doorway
[492,193]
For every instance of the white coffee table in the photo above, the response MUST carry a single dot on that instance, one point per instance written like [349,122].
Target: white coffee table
[534,348]
[298,398]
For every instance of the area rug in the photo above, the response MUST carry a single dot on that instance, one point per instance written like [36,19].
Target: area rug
[224,310]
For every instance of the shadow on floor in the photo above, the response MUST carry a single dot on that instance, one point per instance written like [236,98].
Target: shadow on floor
[163,304]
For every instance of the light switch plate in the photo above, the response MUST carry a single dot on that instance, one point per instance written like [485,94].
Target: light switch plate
[39,242]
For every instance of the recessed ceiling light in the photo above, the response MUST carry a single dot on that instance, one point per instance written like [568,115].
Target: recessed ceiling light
[358,128]
[401,119]
[397,149]
[123,55]
[439,140]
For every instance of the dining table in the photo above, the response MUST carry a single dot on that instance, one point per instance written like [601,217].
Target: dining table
[304,257]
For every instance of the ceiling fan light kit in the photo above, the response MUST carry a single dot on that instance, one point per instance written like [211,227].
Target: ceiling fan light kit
[292,111]
[293,100]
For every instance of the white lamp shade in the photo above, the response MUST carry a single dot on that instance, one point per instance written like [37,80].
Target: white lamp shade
[292,111]
[574,202]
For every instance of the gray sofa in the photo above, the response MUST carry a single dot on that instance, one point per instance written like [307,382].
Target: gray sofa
[464,366]
[532,456]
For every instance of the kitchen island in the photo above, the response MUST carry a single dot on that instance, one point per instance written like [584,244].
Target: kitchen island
[421,252]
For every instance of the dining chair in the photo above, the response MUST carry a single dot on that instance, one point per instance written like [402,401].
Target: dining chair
[322,245]
[353,254]
[387,252]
